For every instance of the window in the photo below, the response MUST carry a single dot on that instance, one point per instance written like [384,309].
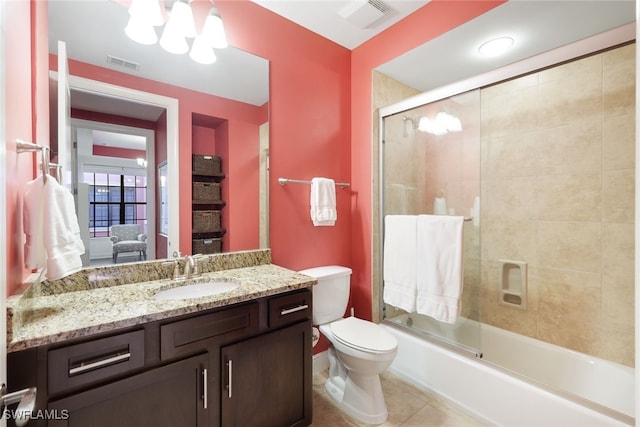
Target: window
[115,199]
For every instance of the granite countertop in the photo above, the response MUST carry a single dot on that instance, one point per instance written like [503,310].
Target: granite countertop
[42,318]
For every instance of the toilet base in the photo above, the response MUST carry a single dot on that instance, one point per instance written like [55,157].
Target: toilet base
[359,396]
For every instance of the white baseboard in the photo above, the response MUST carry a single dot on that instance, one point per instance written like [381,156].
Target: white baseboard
[320,362]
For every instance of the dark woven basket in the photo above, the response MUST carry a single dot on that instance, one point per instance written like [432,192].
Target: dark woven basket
[206,192]
[206,221]
[204,164]
[207,246]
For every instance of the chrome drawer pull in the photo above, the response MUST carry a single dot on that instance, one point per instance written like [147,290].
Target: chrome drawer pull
[99,363]
[204,392]
[294,309]
[230,385]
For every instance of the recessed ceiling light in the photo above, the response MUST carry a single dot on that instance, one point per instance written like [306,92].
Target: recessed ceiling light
[495,46]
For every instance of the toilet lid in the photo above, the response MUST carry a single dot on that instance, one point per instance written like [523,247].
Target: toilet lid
[363,334]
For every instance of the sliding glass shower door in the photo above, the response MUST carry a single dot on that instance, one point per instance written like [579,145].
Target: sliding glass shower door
[430,159]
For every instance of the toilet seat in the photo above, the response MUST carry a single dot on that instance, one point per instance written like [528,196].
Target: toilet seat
[363,335]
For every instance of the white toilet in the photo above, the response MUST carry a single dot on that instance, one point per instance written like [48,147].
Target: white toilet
[359,350]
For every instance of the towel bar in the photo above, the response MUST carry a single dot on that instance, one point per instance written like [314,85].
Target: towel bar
[25,147]
[283,181]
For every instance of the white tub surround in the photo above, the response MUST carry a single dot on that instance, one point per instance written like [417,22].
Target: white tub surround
[492,394]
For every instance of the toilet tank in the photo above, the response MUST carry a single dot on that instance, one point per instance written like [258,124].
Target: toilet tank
[331,294]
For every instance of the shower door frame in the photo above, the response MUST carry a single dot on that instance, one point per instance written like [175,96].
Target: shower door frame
[590,45]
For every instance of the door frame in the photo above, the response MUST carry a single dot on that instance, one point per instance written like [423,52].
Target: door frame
[173,152]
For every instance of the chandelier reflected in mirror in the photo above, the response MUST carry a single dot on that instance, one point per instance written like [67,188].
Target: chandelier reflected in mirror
[179,20]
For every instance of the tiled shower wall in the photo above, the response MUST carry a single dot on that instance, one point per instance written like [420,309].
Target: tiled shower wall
[557,176]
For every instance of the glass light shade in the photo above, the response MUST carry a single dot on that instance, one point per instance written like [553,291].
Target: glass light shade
[148,10]
[449,122]
[172,39]
[431,126]
[213,32]
[141,31]
[495,46]
[202,52]
[182,16]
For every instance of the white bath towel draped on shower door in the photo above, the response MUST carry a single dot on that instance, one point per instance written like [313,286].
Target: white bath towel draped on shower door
[399,265]
[439,266]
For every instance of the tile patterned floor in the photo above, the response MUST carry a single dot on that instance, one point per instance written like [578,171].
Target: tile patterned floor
[407,406]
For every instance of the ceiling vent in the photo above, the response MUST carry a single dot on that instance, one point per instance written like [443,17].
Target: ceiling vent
[363,13]
[122,63]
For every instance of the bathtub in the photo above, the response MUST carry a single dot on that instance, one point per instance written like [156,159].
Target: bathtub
[494,388]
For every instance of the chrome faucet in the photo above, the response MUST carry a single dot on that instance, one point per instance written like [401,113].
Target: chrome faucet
[190,267]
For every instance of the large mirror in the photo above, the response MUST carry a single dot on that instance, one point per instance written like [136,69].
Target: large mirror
[128,103]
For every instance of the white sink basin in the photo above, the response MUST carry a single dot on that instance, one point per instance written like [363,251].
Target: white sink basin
[196,290]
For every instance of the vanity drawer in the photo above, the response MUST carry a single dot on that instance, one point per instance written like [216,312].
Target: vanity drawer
[289,308]
[80,364]
[197,333]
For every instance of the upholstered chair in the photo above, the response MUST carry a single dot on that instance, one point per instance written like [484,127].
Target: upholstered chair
[127,238]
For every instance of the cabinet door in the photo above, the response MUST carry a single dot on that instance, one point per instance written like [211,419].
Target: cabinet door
[172,395]
[267,379]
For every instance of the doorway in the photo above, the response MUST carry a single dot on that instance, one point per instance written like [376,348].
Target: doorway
[116,185]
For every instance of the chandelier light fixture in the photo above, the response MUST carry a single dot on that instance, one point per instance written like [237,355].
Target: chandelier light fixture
[145,15]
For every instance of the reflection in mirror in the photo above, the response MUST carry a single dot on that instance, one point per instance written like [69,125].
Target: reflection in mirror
[110,113]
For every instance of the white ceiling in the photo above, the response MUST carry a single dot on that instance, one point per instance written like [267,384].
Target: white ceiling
[536,25]
[323,17]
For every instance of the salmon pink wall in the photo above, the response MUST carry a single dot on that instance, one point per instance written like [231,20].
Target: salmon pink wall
[27,118]
[428,22]
[113,119]
[309,129]
[123,153]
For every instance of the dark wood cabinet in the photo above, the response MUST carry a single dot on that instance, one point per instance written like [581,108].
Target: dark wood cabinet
[265,379]
[168,396]
[240,365]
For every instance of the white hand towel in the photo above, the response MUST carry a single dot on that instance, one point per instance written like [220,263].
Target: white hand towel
[399,264]
[51,227]
[439,267]
[35,254]
[323,202]
[61,232]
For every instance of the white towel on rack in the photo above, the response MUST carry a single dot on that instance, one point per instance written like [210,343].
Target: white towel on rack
[323,202]
[439,266]
[35,254]
[399,264]
[51,226]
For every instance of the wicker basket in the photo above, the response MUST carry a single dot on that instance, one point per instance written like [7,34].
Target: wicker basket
[207,246]
[206,192]
[204,164]
[206,221]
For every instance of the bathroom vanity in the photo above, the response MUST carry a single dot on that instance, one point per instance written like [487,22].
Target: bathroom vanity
[242,357]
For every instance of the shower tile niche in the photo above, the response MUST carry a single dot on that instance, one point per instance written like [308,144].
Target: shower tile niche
[513,284]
